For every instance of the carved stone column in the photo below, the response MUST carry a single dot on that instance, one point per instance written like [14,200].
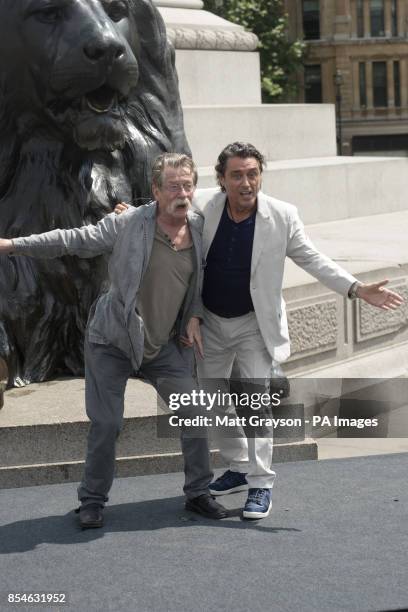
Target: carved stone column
[390,84]
[402,17]
[369,76]
[387,18]
[367,22]
[404,83]
[342,20]
[356,86]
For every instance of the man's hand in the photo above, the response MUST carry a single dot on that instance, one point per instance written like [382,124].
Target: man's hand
[6,246]
[121,207]
[377,295]
[193,336]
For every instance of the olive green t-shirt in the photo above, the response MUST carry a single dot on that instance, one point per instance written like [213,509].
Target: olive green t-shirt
[162,291]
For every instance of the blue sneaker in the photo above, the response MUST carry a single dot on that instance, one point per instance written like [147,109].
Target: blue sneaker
[229,482]
[259,503]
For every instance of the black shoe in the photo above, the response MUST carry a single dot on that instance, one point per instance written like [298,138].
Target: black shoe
[90,516]
[206,506]
[3,380]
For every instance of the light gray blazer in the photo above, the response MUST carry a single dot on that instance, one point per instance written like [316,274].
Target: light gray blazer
[279,233]
[128,238]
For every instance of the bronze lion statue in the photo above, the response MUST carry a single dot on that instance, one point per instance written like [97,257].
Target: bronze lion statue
[88,98]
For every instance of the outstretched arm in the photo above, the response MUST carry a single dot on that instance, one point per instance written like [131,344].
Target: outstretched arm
[305,255]
[88,241]
[303,252]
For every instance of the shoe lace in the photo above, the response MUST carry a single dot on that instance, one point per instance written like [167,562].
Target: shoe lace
[259,495]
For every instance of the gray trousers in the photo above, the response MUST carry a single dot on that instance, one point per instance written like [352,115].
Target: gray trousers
[107,370]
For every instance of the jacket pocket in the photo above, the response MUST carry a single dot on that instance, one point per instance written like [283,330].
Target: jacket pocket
[107,322]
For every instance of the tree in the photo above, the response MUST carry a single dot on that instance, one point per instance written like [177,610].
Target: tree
[280,57]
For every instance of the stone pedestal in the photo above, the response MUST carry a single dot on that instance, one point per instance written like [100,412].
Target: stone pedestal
[216,60]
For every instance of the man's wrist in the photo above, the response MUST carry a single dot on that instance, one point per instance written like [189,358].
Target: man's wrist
[7,245]
[353,291]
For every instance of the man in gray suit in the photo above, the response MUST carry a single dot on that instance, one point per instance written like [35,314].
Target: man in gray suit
[247,236]
[154,271]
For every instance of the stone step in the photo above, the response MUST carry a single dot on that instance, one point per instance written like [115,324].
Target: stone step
[139,465]
[46,423]
[43,430]
[331,188]
[280,131]
[365,246]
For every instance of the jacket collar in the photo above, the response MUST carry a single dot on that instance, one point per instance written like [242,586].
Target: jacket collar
[262,230]
[213,212]
[149,210]
[263,208]
[194,221]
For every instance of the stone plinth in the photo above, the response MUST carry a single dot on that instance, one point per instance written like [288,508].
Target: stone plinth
[216,59]
[217,77]
[280,131]
[328,189]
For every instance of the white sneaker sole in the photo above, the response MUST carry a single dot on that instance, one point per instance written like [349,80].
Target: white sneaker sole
[227,491]
[257,515]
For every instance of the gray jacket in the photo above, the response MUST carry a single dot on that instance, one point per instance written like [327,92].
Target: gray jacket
[128,238]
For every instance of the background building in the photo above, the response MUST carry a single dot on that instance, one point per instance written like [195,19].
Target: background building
[357,57]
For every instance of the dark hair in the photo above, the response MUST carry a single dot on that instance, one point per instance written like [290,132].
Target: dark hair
[171,160]
[237,149]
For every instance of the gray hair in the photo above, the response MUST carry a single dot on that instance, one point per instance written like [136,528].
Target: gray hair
[171,160]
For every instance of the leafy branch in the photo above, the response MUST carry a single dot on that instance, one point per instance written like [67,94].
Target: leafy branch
[280,58]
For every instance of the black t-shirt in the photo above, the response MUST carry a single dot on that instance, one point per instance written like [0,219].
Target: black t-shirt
[228,270]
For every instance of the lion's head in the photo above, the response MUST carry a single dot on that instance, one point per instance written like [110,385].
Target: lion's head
[77,68]
[71,68]
[88,98]
[93,75]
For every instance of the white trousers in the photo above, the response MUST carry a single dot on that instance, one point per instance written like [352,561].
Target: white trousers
[225,341]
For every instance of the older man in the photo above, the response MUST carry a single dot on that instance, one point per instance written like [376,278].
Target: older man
[154,270]
[247,236]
